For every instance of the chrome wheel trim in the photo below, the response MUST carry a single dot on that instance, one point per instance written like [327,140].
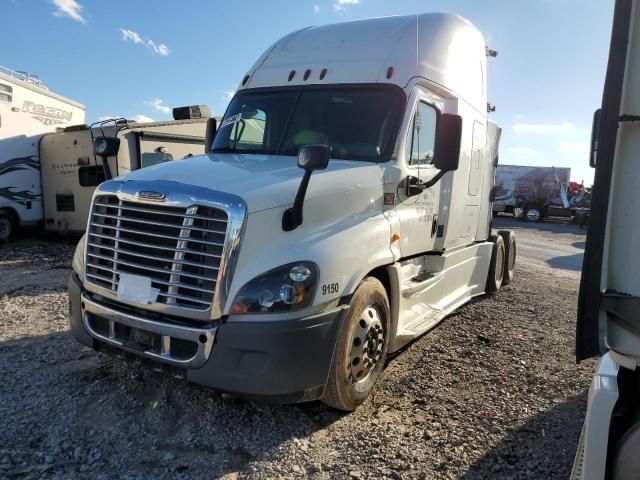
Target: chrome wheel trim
[533,214]
[367,345]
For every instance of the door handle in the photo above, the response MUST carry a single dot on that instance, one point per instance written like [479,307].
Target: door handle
[434,226]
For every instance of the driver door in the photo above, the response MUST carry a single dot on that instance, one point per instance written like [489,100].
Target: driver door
[418,214]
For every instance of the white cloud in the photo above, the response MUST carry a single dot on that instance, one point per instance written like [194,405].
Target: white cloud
[571,147]
[141,118]
[341,5]
[542,127]
[523,150]
[316,8]
[159,105]
[69,8]
[135,37]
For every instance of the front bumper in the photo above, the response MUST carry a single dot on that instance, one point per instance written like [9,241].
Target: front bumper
[282,360]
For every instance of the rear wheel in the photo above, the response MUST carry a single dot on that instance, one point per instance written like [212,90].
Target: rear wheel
[496,267]
[532,213]
[361,349]
[7,226]
[510,250]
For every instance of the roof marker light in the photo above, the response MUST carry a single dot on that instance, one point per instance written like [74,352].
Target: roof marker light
[389,72]
[323,72]
[307,72]
[292,74]
[245,80]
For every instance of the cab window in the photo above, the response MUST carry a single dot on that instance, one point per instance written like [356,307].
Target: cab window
[248,133]
[421,139]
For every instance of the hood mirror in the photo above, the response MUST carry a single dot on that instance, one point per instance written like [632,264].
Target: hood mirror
[310,158]
[212,126]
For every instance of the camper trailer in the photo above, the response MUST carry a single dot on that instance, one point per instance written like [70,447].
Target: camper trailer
[341,210]
[609,301]
[27,111]
[71,172]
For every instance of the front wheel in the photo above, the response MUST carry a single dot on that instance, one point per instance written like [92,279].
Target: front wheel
[7,226]
[361,349]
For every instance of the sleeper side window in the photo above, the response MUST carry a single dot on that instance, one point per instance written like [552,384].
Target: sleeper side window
[421,140]
[6,93]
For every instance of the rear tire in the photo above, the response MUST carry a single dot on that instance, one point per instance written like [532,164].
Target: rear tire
[532,213]
[7,226]
[510,251]
[496,267]
[361,349]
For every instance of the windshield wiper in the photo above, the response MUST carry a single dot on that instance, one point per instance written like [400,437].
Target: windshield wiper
[228,148]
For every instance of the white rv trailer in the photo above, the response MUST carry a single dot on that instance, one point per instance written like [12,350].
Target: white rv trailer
[609,301]
[71,172]
[27,111]
[341,211]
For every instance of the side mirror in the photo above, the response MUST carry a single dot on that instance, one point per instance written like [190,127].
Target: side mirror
[447,145]
[310,158]
[595,132]
[212,126]
[314,157]
[106,147]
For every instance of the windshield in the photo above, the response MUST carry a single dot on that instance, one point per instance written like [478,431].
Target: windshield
[358,123]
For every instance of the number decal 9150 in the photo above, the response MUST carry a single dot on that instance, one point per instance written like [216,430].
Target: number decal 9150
[329,288]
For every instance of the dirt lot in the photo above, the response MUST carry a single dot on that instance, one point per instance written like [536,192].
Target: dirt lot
[493,392]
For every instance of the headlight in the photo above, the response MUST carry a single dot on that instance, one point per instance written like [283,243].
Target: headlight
[282,289]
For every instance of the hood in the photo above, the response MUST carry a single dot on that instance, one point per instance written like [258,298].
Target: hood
[262,181]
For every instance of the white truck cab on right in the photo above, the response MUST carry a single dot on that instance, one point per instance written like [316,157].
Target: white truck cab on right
[341,209]
[609,301]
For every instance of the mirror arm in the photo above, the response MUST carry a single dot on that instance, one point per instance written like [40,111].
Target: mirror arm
[434,180]
[292,217]
[106,168]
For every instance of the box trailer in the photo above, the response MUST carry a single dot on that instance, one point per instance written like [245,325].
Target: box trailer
[27,111]
[609,301]
[537,192]
[341,210]
[71,172]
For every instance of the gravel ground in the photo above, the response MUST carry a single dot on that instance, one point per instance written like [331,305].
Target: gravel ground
[493,392]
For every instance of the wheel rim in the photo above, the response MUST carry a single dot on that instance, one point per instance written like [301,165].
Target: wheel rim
[533,214]
[367,345]
[5,228]
[499,264]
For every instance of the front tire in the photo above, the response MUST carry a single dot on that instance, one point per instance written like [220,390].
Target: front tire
[361,349]
[7,226]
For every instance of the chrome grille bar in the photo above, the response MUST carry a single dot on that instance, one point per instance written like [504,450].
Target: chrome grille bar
[181,253]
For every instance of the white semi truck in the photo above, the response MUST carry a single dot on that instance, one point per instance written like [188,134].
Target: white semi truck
[27,111]
[341,210]
[609,301]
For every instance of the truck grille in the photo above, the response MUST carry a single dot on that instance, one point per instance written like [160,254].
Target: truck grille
[179,248]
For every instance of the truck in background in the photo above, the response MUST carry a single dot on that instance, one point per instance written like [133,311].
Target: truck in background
[341,210]
[536,193]
[608,321]
[27,111]
[71,172]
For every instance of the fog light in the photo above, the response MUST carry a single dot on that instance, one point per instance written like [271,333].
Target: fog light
[299,273]
[288,294]
[266,298]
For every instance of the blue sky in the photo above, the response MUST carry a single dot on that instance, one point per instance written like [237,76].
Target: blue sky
[139,58]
